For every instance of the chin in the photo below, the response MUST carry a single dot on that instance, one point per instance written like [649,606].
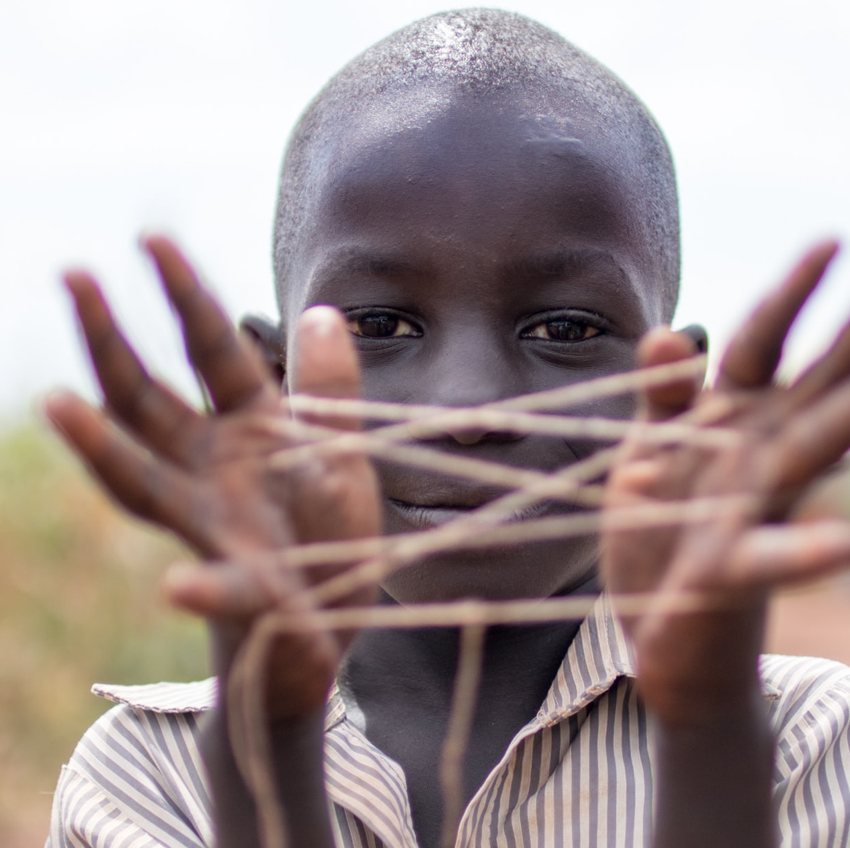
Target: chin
[534,570]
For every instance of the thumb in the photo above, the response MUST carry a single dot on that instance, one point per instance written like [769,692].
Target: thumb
[663,346]
[325,364]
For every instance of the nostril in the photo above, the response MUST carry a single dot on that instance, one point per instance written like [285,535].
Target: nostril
[468,437]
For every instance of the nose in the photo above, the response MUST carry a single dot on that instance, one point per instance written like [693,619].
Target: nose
[468,372]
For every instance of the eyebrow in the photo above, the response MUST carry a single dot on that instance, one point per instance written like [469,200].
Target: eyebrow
[372,263]
[562,264]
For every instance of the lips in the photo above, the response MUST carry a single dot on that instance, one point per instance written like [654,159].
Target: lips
[425,516]
[419,499]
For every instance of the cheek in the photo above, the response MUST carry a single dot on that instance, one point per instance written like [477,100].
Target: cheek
[620,408]
[395,384]
[617,407]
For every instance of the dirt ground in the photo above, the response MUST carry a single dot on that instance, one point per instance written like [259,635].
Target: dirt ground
[812,622]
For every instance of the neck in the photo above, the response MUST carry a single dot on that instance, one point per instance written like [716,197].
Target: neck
[398,686]
[519,663]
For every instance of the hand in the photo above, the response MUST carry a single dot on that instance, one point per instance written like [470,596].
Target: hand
[208,478]
[694,664]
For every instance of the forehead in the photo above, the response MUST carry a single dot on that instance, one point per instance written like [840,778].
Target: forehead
[478,180]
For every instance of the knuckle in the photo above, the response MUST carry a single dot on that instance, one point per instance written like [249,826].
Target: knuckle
[221,343]
[131,400]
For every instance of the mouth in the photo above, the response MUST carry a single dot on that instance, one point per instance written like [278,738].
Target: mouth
[427,516]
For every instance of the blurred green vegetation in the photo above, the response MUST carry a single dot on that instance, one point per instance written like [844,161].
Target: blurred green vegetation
[78,604]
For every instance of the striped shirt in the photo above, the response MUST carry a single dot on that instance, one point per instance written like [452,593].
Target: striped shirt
[579,774]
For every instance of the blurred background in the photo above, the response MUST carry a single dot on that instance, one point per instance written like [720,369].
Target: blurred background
[172,114]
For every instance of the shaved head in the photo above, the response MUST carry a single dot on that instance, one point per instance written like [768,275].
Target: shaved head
[410,78]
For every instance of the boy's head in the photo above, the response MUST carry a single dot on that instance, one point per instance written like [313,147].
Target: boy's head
[496,214]
[419,72]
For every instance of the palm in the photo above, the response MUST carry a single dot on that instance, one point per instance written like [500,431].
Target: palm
[725,561]
[209,478]
[212,479]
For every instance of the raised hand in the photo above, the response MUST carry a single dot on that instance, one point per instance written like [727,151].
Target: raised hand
[703,585]
[208,477]
[782,438]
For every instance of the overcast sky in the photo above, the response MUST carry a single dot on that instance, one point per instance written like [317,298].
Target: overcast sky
[173,114]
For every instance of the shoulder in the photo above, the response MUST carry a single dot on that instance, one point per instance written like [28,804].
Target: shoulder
[801,687]
[149,738]
[138,769]
[151,727]
[809,704]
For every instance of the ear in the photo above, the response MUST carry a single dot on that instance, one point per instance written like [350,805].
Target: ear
[269,340]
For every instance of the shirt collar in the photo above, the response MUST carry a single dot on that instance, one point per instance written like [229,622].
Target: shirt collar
[196,697]
[599,654]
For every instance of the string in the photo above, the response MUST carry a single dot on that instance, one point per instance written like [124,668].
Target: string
[505,520]
[464,698]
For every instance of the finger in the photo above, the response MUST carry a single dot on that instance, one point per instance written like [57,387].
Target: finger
[661,346]
[325,363]
[812,440]
[228,366]
[831,368]
[337,497]
[828,496]
[698,335]
[221,590]
[162,420]
[147,487]
[753,356]
[773,556]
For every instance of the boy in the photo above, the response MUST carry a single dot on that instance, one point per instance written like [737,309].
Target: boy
[491,214]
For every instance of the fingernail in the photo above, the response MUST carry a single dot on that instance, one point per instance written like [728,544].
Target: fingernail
[321,321]
[71,277]
[53,399]
[144,239]
[179,578]
[698,335]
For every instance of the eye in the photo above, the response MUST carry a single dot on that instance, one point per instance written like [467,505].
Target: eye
[380,325]
[563,329]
